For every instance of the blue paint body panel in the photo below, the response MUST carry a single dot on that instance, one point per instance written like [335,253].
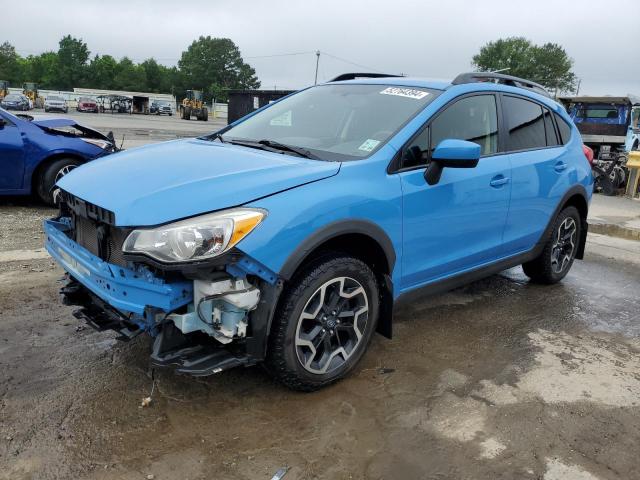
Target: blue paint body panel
[160,183]
[25,145]
[473,217]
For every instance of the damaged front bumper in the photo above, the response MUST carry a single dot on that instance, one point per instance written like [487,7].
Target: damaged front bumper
[132,300]
[122,288]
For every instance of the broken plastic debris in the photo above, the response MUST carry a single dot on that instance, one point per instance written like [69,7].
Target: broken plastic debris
[280,473]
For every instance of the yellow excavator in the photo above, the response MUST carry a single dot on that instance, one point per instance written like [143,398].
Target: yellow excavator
[193,104]
[4,89]
[30,90]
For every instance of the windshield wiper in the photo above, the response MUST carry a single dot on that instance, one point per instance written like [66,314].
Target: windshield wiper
[216,136]
[303,152]
[273,146]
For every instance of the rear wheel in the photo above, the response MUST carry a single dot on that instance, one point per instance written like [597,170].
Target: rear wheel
[324,323]
[559,252]
[50,175]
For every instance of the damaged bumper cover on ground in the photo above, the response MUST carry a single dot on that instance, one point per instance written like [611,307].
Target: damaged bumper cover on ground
[222,324]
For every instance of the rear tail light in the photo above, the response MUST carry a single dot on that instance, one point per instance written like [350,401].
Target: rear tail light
[588,153]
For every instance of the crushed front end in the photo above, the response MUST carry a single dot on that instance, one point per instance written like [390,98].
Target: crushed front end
[206,316]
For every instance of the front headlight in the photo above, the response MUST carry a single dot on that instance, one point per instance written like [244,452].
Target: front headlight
[103,144]
[196,238]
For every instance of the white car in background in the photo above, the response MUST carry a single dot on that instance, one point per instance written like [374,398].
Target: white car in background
[57,103]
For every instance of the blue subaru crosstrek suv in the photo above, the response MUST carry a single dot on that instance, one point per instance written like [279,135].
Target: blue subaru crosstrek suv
[287,237]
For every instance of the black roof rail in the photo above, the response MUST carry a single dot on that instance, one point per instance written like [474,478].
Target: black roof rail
[353,76]
[474,77]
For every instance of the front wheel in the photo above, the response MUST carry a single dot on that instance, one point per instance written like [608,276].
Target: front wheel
[324,323]
[51,175]
[557,257]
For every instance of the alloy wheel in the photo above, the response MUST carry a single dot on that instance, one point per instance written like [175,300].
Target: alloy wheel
[332,325]
[61,173]
[564,245]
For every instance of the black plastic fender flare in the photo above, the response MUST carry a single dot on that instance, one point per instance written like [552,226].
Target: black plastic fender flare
[333,230]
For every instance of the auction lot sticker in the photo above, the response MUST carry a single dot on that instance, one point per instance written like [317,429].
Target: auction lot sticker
[405,92]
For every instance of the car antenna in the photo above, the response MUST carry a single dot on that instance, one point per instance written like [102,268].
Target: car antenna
[122,142]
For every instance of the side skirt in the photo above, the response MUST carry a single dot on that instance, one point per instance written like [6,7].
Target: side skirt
[465,278]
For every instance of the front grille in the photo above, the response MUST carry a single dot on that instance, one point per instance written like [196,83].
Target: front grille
[90,223]
[87,235]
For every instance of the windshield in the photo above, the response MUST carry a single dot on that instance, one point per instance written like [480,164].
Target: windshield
[55,99]
[635,117]
[336,122]
[598,111]
[13,97]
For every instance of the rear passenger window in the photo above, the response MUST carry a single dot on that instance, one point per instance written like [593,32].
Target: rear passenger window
[552,137]
[525,124]
[564,128]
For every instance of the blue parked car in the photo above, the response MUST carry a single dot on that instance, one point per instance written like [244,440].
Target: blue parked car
[34,154]
[288,237]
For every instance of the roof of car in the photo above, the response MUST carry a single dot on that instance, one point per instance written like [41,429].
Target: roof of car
[495,79]
[400,81]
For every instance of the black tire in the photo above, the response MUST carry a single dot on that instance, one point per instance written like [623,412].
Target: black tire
[284,356]
[205,115]
[50,174]
[544,269]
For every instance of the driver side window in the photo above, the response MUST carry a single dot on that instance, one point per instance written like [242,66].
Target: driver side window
[474,119]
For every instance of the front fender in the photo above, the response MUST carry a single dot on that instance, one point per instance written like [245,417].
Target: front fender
[359,199]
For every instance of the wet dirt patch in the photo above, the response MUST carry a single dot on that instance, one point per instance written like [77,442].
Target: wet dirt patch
[498,380]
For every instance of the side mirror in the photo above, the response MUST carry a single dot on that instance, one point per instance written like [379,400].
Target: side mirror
[451,153]
[2,123]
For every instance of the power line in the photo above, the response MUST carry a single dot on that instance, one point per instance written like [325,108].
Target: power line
[279,55]
[350,62]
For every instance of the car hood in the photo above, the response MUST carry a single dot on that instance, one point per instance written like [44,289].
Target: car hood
[50,124]
[169,181]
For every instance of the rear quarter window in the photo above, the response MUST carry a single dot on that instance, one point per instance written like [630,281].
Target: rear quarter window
[564,129]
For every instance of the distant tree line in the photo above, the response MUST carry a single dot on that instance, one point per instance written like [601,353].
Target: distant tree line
[213,65]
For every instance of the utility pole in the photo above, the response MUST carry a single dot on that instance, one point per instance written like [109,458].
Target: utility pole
[578,87]
[315,82]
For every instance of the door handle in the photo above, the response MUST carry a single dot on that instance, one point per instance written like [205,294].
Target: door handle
[560,166]
[498,181]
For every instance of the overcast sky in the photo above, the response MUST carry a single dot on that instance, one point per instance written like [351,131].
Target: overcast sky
[425,38]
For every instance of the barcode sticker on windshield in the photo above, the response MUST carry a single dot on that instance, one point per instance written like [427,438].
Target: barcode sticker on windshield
[405,92]
[368,145]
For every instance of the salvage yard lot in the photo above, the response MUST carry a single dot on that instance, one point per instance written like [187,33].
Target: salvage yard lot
[501,379]
[140,129]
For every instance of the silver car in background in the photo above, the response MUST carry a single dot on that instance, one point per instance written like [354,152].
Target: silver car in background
[57,103]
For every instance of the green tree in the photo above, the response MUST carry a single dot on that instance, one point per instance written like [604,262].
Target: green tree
[41,69]
[129,76]
[548,64]
[10,65]
[101,72]
[155,74]
[215,64]
[73,55]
